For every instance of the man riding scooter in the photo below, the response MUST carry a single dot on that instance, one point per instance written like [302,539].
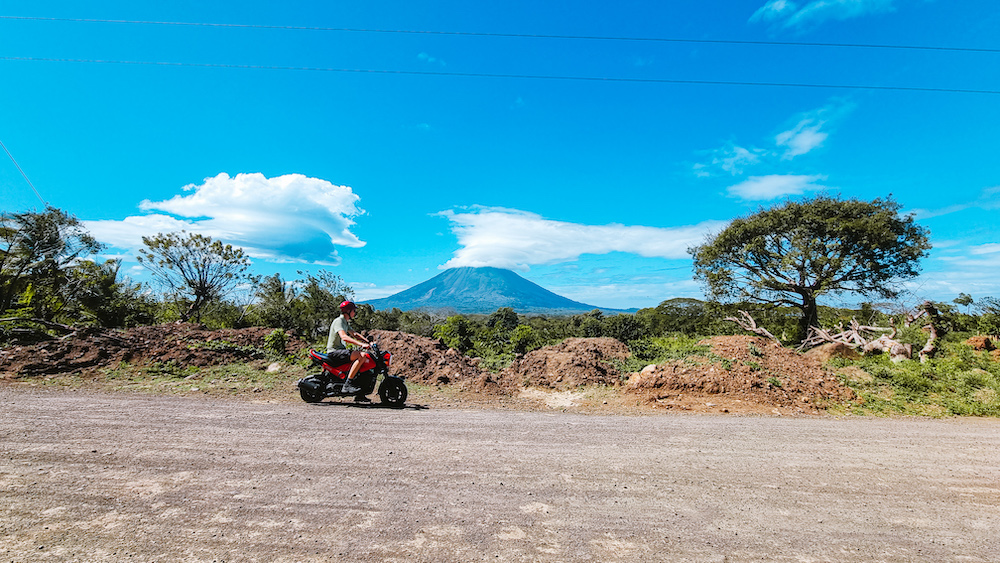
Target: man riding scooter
[341,335]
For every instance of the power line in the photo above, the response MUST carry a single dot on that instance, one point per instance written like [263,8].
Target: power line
[515,76]
[518,35]
[23,174]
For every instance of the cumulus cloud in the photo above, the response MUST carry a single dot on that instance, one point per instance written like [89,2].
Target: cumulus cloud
[290,218]
[789,14]
[758,188]
[512,239]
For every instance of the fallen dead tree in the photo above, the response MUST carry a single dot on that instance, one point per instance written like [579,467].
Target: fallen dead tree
[854,336]
[935,329]
[861,338]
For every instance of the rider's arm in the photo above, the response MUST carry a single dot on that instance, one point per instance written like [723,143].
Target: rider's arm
[361,338]
[353,338]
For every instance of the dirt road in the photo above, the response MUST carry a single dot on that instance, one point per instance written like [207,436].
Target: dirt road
[90,477]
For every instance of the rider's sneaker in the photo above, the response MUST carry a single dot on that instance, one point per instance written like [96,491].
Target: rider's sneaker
[349,388]
[361,399]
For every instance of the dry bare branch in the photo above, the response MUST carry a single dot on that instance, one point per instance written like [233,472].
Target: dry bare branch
[748,324]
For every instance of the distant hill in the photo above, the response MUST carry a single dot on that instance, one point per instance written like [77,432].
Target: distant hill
[481,291]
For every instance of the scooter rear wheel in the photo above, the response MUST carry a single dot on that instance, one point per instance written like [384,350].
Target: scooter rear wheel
[311,390]
[392,392]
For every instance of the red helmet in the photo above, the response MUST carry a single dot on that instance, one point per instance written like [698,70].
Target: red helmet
[347,307]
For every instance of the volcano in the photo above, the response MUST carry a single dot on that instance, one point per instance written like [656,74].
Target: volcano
[481,291]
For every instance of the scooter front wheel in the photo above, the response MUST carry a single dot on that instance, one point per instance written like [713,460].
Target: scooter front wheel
[393,392]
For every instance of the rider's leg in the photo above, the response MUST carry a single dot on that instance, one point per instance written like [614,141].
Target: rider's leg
[357,358]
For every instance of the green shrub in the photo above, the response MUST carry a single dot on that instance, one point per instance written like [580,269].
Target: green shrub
[274,344]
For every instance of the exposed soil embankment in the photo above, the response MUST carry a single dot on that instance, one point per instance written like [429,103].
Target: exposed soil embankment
[740,374]
[575,362]
[429,361]
[179,343]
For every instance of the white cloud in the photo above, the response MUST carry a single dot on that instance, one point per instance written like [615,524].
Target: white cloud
[508,238]
[991,248]
[625,295]
[807,133]
[430,60]
[757,188]
[290,218]
[731,159]
[366,291]
[947,278]
[989,199]
[788,14]
[774,10]
[801,139]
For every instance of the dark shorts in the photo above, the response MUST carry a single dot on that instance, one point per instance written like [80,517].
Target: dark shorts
[338,357]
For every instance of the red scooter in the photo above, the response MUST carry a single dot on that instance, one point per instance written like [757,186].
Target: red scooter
[330,381]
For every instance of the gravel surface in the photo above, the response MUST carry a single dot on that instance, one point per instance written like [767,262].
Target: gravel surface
[117,477]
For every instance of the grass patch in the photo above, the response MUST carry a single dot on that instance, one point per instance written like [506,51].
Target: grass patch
[960,382]
[172,379]
[668,348]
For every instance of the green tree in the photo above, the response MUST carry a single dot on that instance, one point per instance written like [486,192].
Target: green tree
[38,250]
[388,319]
[989,320]
[417,322]
[798,252]
[275,304]
[503,320]
[680,314]
[321,295]
[456,332]
[102,296]
[624,328]
[524,339]
[964,299]
[194,266]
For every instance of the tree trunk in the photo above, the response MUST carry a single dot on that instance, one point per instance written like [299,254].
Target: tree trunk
[810,316]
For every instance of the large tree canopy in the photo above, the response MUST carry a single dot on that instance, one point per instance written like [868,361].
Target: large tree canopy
[795,253]
[194,265]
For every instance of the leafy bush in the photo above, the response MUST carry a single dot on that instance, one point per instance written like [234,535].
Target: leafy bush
[274,344]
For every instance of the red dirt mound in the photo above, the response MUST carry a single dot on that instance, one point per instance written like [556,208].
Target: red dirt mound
[981,343]
[430,361]
[745,371]
[571,363]
[183,344]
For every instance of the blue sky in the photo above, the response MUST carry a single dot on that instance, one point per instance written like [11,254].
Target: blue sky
[384,157]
